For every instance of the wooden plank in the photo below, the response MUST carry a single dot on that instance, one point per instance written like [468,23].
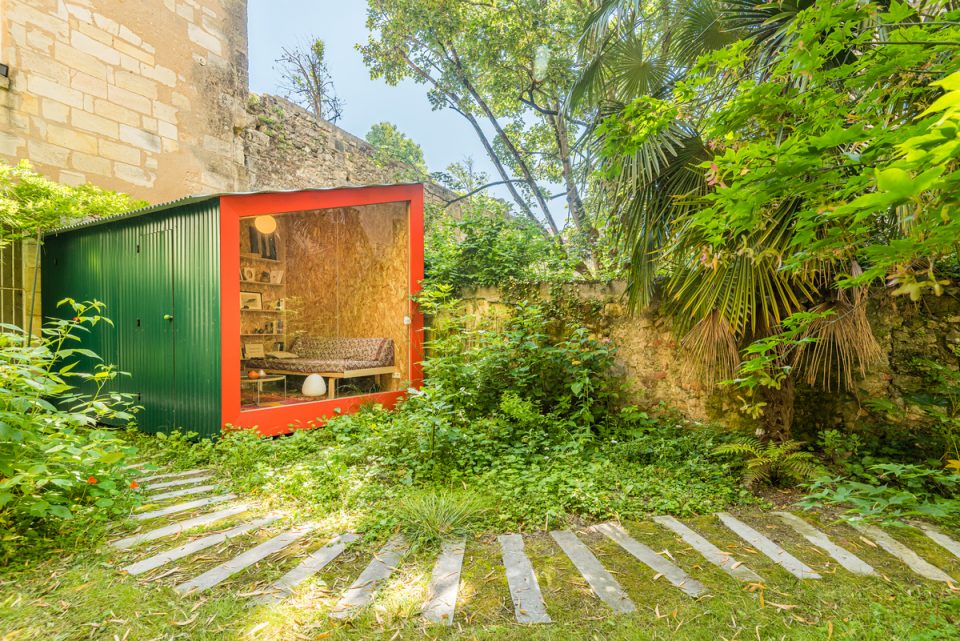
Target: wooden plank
[441,603]
[183,507]
[905,554]
[310,566]
[179,526]
[242,561]
[175,483]
[528,605]
[190,491]
[849,561]
[774,552]
[197,545]
[171,475]
[654,561]
[710,552]
[941,539]
[361,592]
[600,580]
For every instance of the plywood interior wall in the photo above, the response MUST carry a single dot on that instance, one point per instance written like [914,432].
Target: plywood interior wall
[252,322]
[347,275]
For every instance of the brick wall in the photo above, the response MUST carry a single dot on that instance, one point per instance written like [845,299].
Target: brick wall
[137,96]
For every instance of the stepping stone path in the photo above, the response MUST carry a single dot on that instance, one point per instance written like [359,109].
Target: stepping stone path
[442,595]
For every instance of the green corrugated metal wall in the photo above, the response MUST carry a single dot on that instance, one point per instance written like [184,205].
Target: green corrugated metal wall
[144,268]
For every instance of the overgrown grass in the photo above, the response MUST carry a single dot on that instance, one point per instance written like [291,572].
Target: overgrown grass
[80,595]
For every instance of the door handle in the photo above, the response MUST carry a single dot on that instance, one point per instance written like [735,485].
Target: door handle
[168,317]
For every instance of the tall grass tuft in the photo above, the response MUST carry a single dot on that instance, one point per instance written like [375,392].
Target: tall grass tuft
[434,515]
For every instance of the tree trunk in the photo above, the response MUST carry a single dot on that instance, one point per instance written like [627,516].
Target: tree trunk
[778,414]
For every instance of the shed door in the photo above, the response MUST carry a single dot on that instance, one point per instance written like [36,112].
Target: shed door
[155,329]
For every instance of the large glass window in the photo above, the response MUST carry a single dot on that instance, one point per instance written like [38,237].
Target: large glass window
[324,304]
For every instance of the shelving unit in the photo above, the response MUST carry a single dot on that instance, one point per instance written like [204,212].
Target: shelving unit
[269,316]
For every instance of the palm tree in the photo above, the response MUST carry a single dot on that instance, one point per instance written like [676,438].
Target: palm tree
[729,296]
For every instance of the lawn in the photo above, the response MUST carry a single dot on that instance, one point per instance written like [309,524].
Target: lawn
[78,594]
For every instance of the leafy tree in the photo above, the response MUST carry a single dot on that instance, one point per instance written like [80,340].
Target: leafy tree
[394,146]
[483,244]
[505,68]
[812,155]
[307,80]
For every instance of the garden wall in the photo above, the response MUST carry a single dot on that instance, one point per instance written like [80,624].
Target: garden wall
[656,370]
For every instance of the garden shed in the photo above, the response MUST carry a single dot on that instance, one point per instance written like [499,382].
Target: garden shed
[267,310]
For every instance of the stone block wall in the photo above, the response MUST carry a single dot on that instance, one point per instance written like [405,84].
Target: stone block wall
[136,96]
[287,147]
[656,370]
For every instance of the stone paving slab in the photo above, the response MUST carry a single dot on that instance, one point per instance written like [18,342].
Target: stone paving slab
[171,475]
[441,603]
[950,545]
[848,560]
[910,558]
[361,592]
[602,583]
[713,554]
[179,526]
[177,482]
[654,561]
[310,566]
[217,575]
[771,550]
[183,507]
[190,491]
[193,547]
[528,603]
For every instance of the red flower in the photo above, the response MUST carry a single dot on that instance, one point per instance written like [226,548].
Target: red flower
[92,480]
[134,485]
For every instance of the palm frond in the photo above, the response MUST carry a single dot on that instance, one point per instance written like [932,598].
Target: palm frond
[711,346]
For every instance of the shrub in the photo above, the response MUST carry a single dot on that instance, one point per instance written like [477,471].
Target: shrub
[439,514]
[55,462]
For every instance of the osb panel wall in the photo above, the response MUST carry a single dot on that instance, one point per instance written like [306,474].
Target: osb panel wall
[348,275]
[140,97]
[252,321]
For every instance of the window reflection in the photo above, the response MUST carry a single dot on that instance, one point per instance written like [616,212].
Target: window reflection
[324,298]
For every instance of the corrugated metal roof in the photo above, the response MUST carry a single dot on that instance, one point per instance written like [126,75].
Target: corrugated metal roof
[198,198]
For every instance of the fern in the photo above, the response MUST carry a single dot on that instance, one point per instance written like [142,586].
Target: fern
[777,464]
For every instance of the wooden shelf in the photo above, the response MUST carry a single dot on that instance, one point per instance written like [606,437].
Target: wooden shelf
[263,311]
[260,259]
[261,334]
[260,282]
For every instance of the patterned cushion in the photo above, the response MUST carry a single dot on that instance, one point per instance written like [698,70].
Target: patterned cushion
[379,350]
[324,354]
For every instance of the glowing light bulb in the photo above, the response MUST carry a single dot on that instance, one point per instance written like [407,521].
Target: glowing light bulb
[265,224]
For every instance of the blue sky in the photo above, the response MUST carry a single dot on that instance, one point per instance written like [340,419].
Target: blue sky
[444,136]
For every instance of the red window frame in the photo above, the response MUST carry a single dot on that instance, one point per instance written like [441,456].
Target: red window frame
[271,421]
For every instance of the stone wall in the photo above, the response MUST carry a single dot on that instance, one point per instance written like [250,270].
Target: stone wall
[140,97]
[287,147]
[656,370]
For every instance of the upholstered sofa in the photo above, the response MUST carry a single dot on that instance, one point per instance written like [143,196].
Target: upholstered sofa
[332,358]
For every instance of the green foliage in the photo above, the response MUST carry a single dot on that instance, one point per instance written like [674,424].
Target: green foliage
[941,402]
[56,464]
[393,145]
[839,447]
[434,515]
[779,464]
[521,417]
[890,492]
[30,203]
[479,248]
[505,68]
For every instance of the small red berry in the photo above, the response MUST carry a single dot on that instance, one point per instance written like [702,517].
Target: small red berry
[92,480]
